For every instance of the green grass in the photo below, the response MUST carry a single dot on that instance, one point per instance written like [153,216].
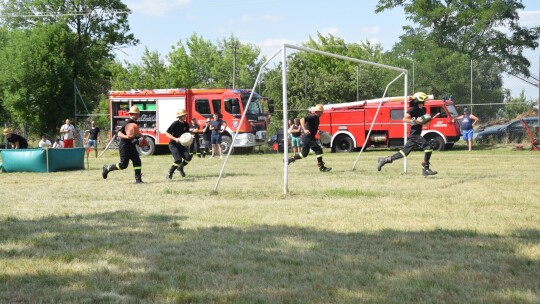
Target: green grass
[469,234]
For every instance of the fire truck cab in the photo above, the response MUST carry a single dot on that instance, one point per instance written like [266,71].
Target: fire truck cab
[159,107]
[349,124]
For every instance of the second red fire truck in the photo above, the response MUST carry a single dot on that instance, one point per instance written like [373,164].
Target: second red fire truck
[349,124]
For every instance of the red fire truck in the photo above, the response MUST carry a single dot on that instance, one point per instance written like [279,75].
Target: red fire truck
[158,110]
[349,124]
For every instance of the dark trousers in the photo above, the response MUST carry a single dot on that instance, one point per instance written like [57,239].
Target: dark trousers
[179,153]
[415,141]
[195,147]
[128,151]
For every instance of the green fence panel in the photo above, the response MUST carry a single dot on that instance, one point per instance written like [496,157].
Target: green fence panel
[24,160]
[66,159]
[35,160]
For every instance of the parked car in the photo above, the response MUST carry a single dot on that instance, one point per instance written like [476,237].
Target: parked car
[510,132]
[276,142]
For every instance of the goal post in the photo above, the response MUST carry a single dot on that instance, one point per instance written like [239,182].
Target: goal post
[283,51]
[403,72]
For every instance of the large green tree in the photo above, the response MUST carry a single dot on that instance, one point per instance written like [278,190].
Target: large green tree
[195,63]
[450,35]
[34,73]
[481,29]
[91,31]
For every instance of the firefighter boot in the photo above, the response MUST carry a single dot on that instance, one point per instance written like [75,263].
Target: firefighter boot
[171,172]
[426,171]
[322,168]
[383,161]
[106,169]
[293,158]
[181,169]
[138,178]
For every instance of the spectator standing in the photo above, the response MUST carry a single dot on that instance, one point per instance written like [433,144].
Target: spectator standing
[180,153]
[129,136]
[92,139]
[16,141]
[415,140]
[195,147]
[296,133]
[467,124]
[310,126]
[207,134]
[44,142]
[218,127]
[69,133]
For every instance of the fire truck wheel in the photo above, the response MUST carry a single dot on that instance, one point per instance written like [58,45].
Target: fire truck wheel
[226,144]
[148,148]
[436,142]
[343,143]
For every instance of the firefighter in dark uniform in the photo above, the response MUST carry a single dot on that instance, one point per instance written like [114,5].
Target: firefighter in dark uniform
[129,139]
[195,147]
[310,126]
[180,153]
[415,139]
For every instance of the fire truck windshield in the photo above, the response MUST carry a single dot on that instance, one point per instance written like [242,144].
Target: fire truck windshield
[452,110]
[254,106]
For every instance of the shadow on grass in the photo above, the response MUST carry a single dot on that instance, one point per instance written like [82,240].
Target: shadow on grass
[125,257]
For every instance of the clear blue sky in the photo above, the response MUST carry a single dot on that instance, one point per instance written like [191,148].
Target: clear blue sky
[159,24]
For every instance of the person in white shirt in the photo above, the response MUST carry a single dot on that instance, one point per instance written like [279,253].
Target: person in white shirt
[69,133]
[57,144]
[44,142]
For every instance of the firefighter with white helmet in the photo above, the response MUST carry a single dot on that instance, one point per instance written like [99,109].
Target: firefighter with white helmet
[416,116]
[129,136]
[310,127]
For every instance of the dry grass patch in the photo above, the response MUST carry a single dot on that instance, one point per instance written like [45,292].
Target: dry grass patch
[468,234]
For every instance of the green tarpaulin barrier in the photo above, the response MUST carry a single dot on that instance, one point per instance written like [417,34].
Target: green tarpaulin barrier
[42,160]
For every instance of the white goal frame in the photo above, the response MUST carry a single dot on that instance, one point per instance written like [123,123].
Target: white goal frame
[283,51]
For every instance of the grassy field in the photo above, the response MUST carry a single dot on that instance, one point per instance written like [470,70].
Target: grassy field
[470,234]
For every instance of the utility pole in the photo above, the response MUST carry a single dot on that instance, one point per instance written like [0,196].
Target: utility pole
[413,75]
[471,110]
[357,82]
[234,66]
[305,85]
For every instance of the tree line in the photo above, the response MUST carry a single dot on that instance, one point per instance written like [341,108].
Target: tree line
[57,54]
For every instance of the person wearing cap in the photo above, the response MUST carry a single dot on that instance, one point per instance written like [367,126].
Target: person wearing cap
[16,141]
[415,140]
[207,134]
[310,127]
[467,124]
[195,147]
[69,133]
[129,136]
[218,127]
[180,153]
